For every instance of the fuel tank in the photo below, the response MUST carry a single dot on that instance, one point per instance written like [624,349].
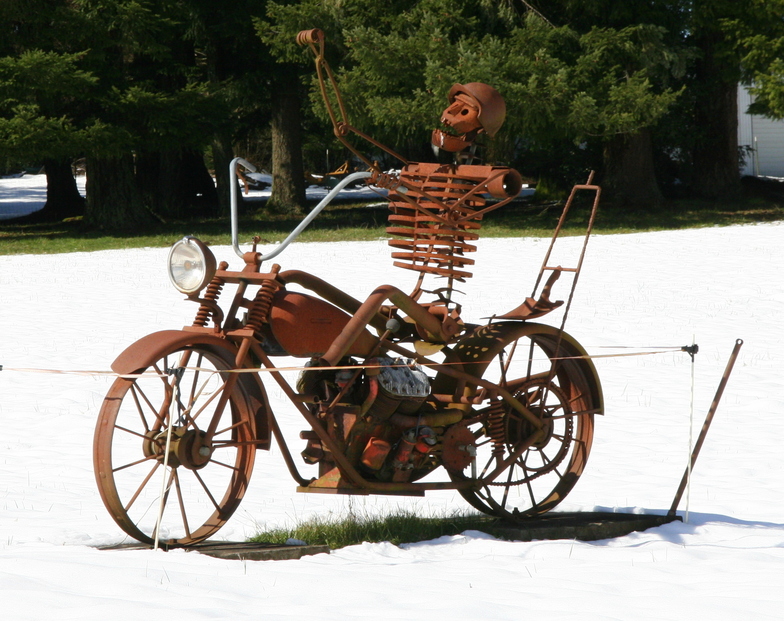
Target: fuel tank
[306,326]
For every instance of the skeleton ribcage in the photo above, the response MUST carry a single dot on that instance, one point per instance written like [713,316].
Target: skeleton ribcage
[433,235]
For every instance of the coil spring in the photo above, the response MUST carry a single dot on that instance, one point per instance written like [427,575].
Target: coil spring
[211,295]
[495,428]
[260,307]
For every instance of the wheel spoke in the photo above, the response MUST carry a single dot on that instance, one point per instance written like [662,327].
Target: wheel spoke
[209,400]
[142,486]
[227,429]
[220,463]
[131,431]
[139,408]
[508,486]
[222,444]
[160,416]
[531,494]
[182,504]
[489,463]
[206,489]
[569,415]
[162,505]
[133,463]
[509,359]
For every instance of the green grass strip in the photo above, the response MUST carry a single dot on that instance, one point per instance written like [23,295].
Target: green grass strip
[399,527]
[364,222]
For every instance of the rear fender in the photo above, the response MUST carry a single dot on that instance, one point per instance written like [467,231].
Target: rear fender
[152,347]
[474,352]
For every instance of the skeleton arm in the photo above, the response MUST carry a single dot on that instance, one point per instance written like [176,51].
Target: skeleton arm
[315,40]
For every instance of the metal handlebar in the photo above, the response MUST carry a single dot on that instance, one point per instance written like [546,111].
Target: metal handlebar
[233,195]
[300,227]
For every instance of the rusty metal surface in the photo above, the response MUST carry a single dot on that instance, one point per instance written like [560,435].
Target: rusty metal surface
[507,407]
[440,213]
[306,326]
[236,550]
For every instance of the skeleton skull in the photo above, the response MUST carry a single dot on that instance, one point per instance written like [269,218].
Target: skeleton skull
[462,115]
[473,108]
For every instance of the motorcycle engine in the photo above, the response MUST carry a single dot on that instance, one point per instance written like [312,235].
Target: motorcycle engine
[378,419]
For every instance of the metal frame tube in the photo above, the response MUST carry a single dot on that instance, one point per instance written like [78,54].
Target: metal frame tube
[300,227]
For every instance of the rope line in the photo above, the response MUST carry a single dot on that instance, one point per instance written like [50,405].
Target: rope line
[88,372]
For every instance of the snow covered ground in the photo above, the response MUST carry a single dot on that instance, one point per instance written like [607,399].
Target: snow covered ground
[24,194]
[78,311]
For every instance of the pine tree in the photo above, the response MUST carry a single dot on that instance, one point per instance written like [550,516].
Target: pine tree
[42,121]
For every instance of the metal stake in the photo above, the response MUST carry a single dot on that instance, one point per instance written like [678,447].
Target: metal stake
[704,432]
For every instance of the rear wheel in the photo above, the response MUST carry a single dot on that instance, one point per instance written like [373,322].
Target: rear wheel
[546,373]
[203,475]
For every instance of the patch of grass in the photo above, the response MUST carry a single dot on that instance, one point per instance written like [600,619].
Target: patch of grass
[367,221]
[357,222]
[399,527]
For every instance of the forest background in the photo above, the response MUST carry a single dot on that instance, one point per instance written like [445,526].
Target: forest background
[157,96]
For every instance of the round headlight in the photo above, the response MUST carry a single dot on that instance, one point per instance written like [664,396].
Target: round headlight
[191,265]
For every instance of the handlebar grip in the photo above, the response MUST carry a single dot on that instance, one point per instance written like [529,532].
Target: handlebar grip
[315,35]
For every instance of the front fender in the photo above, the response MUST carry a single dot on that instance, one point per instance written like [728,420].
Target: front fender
[153,347]
[150,348]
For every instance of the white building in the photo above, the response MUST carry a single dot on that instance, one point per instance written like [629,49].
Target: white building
[764,136]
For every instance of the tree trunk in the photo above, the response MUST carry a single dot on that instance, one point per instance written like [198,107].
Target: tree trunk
[113,197]
[62,196]
[716,164]
[288,173]
[629,177]
[176,184]
[715,156]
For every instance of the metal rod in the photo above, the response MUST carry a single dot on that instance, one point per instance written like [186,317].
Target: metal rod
[302,225]
[233,196]
[706,425]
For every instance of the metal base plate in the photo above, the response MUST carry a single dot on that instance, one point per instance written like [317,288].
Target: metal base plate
[236,550]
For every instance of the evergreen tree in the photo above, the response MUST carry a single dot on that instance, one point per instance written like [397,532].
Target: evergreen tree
[759,41]
[397,62]
[42,116]
[159,110]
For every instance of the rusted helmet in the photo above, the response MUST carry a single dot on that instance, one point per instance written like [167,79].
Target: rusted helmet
[492,108]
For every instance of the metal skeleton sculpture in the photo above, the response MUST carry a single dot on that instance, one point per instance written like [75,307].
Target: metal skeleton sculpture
[393,388]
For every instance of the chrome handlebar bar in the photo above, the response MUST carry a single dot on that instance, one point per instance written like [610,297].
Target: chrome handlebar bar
[300,227]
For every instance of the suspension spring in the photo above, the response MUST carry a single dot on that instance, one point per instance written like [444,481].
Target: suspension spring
[211,296]
[495,428]
[260,307]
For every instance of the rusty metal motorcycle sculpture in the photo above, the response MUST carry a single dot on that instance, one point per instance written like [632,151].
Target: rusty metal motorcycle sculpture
[393,388]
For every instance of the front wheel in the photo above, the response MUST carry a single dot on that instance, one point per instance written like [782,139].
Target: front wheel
[203,475]
[547,372]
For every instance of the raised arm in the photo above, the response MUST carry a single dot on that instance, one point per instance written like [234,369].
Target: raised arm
[315,40]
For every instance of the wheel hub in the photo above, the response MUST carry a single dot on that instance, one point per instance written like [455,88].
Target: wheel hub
[189,448]
[542,399]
